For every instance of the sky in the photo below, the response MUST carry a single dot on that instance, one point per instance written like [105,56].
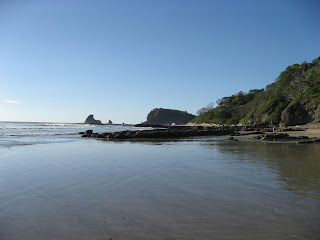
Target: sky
[63,60]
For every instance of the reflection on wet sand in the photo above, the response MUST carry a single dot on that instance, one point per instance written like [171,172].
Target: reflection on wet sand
[297,166]
[201,188]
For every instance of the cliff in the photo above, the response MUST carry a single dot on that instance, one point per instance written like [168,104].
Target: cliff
[90,120]
[168,116]
[293,99]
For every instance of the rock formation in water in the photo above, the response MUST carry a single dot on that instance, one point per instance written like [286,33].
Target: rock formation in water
[168,117]
[91,120]
[110,122]
[164,133]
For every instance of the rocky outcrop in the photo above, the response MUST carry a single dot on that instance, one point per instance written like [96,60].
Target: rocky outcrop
[90,120]
[110,122]
[286,137]
[170,132]
[161,116]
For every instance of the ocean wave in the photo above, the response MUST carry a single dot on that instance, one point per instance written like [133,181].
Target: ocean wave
[37,134]
[57,124]
[46,127]
[69,125]
[18,128]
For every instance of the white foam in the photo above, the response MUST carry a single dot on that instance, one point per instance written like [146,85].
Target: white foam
[39,134]
[51,126]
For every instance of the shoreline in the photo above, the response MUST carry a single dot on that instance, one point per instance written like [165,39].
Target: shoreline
[298,134]
[311,130]
[133,189]
[162,133]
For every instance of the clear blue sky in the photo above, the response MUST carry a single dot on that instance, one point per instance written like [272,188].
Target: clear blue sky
[64,60]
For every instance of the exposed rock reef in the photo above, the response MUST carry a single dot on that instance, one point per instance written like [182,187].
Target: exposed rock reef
[170,132]
[284,136]
[293,99]
[168,117]
[90,120]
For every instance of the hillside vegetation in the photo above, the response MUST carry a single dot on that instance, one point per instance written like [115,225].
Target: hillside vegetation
[293,99]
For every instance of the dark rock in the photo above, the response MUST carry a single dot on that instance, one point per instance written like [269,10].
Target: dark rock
[161,116]
[269,137]
[303,137]
[88,132]
[171,132]
[94,135]
[91,120]
[279,136]
[258,137]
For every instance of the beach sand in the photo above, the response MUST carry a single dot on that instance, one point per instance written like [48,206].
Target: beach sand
[196,188]
[310,130]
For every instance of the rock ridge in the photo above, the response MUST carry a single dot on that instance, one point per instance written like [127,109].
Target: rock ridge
[170,132]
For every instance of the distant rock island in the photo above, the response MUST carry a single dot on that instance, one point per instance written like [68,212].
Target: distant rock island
[90,120]
[168,117]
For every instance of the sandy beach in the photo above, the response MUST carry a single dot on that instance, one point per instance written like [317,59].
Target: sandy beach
[196,188]
[310,130]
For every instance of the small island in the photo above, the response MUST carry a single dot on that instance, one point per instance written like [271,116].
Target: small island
[162,116]
[90,120]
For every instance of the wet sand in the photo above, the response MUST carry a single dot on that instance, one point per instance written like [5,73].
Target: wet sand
[198,188]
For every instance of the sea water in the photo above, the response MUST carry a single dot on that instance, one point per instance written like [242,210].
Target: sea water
[29,133]
[62,186]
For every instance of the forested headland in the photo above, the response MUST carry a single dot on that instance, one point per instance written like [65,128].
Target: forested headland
[293,99]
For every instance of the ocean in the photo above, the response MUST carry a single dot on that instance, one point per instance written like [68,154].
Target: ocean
[29,133]
[56,185]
